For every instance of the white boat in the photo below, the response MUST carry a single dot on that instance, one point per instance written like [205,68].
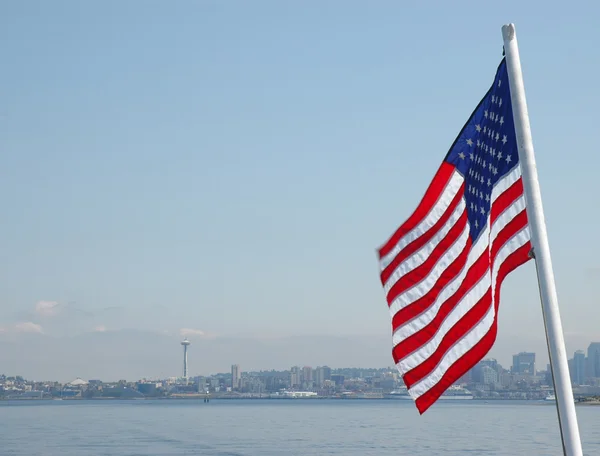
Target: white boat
[550,397]
[456,393]
[453,393]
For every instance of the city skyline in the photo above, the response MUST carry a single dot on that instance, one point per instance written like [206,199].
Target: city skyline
[488,378]
[130,352]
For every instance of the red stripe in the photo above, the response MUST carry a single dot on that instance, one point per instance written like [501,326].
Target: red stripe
[432,194]
[423,239]
[503,201]
[422,304]
[479,350]
[415,276]
[511,228]
[423,336]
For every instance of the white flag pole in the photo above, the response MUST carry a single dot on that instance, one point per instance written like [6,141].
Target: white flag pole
[541,250]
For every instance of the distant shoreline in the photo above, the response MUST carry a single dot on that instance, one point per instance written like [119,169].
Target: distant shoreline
[230,398]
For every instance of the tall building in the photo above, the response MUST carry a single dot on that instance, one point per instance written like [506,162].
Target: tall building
[578,373]
[236,376]
[491,362]
[307,375]
[524,363]
[295,376]
[594,359]
[489,375]
[338,379]
[321,374]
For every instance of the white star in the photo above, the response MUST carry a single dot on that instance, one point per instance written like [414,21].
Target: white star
[485,114]
[476,208]
[485,129]
[478,127]
[482,210]
[461,155]
[480,195]
[500,102]
[493,152]
[483,163]
[472,205]
[481,179]
[504,139]
[501,120]
[497,136]
[489,182]
[493,99]
[476,224]
[499,154]
[495,171]
[469,142]
[478,143]
[487,197]
[497,117]
[508,159]
[491,166]
[471,156]
[499,82]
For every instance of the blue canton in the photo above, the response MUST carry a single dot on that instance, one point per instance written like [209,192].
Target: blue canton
[486,150]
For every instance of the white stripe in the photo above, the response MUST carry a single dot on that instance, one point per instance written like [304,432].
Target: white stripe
[478,331]
[424,286]
[431,219]
[427,316]
[465,304]
[504,184]
[421,255]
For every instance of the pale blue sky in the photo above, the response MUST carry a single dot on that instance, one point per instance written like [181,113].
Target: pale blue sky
[232,166]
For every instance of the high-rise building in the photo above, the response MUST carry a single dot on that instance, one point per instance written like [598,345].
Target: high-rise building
[236,376]
[490,362]
[307,375]
[578,371]
[295,376]
[594,359]
[489,375]
[338,379]
[321,374]
[524,363]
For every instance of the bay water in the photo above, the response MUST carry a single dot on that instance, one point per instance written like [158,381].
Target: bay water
[286,427]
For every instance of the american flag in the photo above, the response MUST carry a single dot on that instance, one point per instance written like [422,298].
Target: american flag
[443,268]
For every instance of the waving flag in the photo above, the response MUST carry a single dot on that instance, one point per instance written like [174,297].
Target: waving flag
[443,268]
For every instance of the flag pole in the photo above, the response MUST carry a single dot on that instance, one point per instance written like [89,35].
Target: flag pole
[541,250]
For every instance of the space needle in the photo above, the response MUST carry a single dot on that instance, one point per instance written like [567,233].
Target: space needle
[185,344]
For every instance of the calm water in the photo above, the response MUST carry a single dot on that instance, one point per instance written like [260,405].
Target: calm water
[271,427]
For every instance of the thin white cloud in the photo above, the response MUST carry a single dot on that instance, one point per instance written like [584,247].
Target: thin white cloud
[187,332]
[47,308]
[28,327]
